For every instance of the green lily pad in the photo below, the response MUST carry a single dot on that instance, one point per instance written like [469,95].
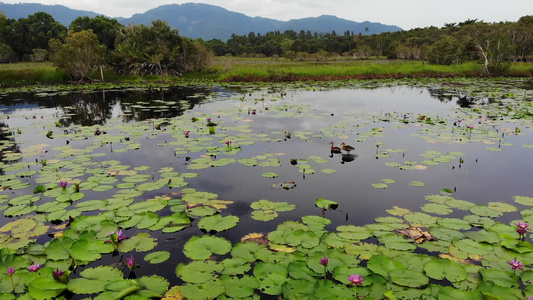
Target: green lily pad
[417,183]
[157,257]
[207,290]
[524,200]
[94,280]
[141,242]
[326,204]
[198,271]
[264,215]
[270,175]
[271,277]
[443,268]
[240,287]
[472,247]
[46,288]
[380,185]
[409,278]
[437,208]
[383,265]
[485,211]
[218,223]
[201,248]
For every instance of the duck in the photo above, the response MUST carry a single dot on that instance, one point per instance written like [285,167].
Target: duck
[347,148]
[335,149]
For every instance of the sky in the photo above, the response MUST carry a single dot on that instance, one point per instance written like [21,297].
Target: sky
[407,14]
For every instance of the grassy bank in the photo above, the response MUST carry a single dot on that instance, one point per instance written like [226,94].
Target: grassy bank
[270,70]
[266,69]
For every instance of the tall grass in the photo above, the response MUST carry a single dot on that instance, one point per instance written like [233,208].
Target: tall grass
[265,69]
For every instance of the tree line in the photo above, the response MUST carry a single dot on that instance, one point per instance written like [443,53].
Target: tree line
[158,49]
[90,43]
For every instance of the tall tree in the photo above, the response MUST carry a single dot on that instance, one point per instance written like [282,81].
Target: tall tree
[158,50]
[33,32]
[79,55]
[105,28]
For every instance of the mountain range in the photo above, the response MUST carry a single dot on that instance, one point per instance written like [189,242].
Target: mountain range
[197,20]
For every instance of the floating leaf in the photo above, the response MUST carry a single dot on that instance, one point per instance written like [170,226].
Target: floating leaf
[437,208]
[240,287]
[200,248]
[157,257]
[326,204]
[46,288]
[270,175]
[443,268]
[207,290]
[409,278]
[264,215]
[94,280]
[141,242]
[383,265]
[524,200]
[271,277]
[484,211]
[417,183]
[380,185]
[198,271]
[218,223]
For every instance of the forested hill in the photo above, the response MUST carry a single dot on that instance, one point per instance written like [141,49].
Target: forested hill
[208,22]
[61,14]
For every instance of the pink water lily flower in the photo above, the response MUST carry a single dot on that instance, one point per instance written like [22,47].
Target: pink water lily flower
[118,236]
[523,225]
[57,273]
[34,267]
[355,279]
[516,264]
[63,184]
[324,261]
[130,261]
[10,271]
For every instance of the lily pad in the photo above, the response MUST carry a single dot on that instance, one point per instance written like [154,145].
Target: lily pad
[157,257]
[201,248]
[218,223]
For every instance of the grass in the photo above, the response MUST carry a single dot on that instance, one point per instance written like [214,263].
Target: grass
[267,69]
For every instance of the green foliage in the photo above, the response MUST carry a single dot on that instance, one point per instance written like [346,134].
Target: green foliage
[445,51]
[33,32]
[157,50]
[80,55]
[105,28]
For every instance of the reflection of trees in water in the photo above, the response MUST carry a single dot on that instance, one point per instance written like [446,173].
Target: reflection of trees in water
[96,107]
[447,96]
[85,109]
[7,143]
[154,103]
[442,96]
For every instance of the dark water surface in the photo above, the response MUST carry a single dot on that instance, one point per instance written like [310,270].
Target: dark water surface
[321,117]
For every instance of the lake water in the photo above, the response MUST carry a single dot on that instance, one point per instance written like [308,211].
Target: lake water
[393,129]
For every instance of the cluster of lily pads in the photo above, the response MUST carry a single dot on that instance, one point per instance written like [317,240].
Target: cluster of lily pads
[71,210]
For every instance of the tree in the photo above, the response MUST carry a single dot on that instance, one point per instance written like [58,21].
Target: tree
[491,44]
[31,33]
[158,50]
[6,53]
[79,55]
[105,28]
[445,51]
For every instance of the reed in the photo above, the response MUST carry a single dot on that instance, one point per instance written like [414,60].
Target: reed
[267,69]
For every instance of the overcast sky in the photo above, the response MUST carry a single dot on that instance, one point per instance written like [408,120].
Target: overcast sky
[407,14]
